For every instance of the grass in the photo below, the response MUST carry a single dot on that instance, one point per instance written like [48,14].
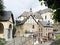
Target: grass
[57,35]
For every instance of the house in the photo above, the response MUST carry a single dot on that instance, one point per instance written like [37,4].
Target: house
[6,25]
[46,15]
[45,28]
[29,24]
[32,22]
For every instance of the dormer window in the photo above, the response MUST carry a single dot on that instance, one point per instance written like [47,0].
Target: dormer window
[48,23]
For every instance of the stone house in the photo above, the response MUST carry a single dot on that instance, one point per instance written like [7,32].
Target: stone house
[6,25]
[45,28]
[28,24]
[32,22]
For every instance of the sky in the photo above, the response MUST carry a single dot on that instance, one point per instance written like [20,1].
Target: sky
[19,6]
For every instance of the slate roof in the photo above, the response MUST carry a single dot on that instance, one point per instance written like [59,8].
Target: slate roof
[6,16]
[22,22]
[44,11]
[45,24]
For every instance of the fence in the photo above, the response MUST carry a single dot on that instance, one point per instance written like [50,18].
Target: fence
[20,41]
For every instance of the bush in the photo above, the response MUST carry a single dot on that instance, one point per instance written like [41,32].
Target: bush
[2,41]
[14,31]
[57,35]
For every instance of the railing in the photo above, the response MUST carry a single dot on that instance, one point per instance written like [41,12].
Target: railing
[20,41]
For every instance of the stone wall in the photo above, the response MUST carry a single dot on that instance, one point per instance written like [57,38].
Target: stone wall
[20,41]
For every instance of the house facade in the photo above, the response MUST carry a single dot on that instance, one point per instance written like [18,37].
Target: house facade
[33,22]
[45,28]
[6,25]
[29,24]
[46,15]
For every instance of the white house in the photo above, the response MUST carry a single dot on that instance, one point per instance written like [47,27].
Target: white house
[46,15]
[6,25]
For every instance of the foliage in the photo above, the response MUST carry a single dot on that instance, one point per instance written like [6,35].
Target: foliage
[14,30]
[1,7]
[2,41]
[57,35]
[54,5]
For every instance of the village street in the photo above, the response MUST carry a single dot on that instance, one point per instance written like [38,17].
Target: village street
[46,43]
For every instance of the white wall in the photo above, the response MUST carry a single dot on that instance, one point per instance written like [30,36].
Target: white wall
[48,15]
[6,27]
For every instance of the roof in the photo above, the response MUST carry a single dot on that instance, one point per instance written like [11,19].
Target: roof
[22,22]
[26,14]
[6,16]
[45,24]
[44,11]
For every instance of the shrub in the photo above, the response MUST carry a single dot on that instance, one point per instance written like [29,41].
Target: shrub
[2,41]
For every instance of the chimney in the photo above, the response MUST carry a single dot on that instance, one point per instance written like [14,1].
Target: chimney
[30,9]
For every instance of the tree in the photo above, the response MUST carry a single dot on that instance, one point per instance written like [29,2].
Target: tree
[1,7]
[54,5]
[14,31]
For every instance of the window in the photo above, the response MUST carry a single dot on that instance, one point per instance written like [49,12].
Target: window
[41,30]
[51,17]
[45,17]
[33,26]
[46,34]
[48,22]
[41,34]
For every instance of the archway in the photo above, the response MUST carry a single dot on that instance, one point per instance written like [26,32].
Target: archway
[1,30]
[9,31]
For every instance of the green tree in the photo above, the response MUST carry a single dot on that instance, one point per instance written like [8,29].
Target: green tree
[1,7]
[54,5]
[14,31]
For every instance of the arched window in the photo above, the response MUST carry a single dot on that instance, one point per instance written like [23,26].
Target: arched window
[10,26]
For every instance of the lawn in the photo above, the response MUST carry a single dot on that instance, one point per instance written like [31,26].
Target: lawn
[57,35]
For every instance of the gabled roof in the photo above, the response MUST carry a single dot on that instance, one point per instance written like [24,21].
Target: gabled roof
[44,11]
[45,24]
[22,22]
[6,16]
[26,14]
